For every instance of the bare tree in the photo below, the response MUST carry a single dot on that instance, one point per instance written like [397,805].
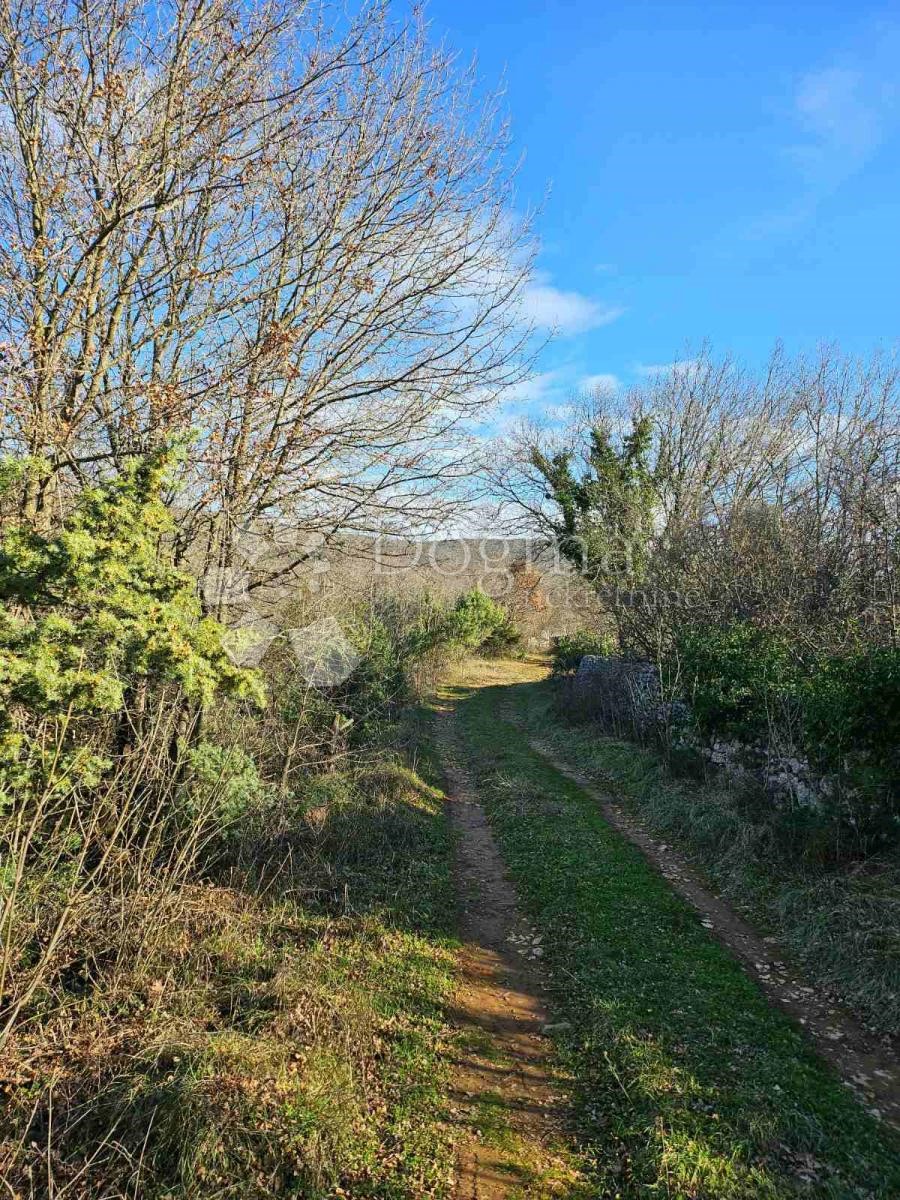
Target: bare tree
[281,228]
[775,497]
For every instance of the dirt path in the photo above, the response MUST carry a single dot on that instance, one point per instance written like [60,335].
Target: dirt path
[507,1096]
[864,1065]
[678,1098]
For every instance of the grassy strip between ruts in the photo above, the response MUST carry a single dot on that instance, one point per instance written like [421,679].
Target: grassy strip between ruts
[290,1039]
[689,1083]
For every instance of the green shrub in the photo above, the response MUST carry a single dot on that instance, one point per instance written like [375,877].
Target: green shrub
[570,648]
[399,641]
[396,635]
[420,623]
[851,707]
[477,622]
[851,729]
[379,678]
[224,785]
[95,613]
[741,680]
[841,710]
[738,678]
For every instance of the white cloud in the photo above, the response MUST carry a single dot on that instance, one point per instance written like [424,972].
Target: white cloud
[599,383]
[558,413]
[844,114]
[682,366]
[837,118]
[533,397]
[568,313]
[545,397]
[845,111]
[532,389]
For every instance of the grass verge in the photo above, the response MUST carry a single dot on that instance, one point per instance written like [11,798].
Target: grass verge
[286,1038]
[689,1084]
[842,924]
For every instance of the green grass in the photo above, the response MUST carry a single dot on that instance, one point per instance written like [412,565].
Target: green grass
[841,923]
[688,1083]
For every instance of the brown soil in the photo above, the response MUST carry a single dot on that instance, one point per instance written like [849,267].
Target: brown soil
[864,1064]
[508,1097]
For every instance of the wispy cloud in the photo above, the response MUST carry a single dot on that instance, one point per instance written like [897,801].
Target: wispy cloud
[558,414]
[681,366]
[839,116]
[565,312]
[599,383]
[547,397]
[532,390]
[843,114]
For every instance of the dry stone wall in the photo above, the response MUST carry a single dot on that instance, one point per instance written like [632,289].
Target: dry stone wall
[625,697]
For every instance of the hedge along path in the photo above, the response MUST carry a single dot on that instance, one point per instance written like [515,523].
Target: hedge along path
[688,1082]
[508,1093]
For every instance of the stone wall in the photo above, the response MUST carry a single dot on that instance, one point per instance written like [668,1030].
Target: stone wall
[625,697]
[786,774]
[622,694]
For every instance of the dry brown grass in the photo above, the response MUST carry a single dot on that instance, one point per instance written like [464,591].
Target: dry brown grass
[268,1028]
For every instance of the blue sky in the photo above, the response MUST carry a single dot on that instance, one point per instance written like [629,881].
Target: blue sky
[706,171]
